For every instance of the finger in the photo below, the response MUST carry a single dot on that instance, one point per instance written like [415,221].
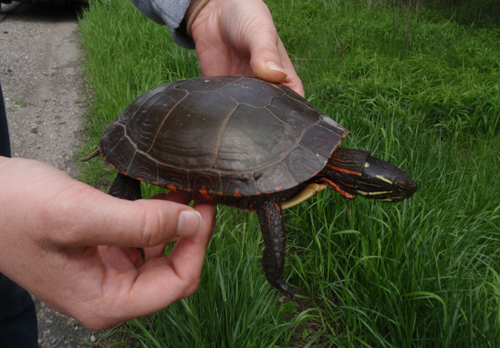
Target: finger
[164,281]
[96,218]
[270,61]
[189,252]
[135,256]
[150,252]
[182,199]
[292,80]
[119,257]
[156,251]
[265,59]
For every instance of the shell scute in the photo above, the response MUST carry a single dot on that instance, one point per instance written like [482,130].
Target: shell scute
[207,183]
[304,164]
[257,95]
[205,84]
[321,141]
[294,114]
[169,175]
[145,125]
[110,138]
[131,110]
[274,179]
[189,136]
[246,145]
[243,184]
[121,155]
[143,168]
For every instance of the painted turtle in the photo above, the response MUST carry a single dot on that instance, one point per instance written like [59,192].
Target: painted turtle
[245,143]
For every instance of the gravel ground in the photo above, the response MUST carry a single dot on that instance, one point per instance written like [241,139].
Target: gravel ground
[42,84]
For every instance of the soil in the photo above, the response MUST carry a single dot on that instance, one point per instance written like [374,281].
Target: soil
[41,77]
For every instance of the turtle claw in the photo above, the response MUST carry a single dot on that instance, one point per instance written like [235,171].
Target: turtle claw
[286,290]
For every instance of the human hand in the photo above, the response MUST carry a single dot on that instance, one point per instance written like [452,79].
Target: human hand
[55,235]
[235,37]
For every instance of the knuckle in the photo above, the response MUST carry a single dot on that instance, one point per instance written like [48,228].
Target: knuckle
[154,225]
[61,216]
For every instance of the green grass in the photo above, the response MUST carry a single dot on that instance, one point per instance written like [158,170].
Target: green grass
[421,273]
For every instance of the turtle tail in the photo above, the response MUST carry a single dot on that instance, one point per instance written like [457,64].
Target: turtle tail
[92,155]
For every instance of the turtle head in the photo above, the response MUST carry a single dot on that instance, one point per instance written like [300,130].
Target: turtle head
[383,181]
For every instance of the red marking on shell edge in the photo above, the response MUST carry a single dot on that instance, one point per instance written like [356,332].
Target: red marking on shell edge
[306,166]
[172,188]
[277,184]
[204,193]
[321,139]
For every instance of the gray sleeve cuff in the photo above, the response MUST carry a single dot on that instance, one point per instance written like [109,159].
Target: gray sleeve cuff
[170,13]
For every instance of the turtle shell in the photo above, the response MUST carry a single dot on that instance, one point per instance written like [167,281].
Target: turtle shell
[227,135]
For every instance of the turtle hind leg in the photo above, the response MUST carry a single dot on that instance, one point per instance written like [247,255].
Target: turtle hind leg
[273,231]
[125,187]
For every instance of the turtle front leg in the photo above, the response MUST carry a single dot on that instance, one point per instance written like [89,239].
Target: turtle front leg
[273,230]
[125,187]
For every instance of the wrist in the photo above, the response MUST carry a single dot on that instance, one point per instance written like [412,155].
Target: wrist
[193,10]
[192,6]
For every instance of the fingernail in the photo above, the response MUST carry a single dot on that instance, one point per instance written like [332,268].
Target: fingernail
[189,223]
[275,67]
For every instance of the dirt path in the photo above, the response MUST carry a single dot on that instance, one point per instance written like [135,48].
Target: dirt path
[45,99]
[42,84]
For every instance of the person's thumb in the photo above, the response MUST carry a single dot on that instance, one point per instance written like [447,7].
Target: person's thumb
[99,219]
[265,60]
